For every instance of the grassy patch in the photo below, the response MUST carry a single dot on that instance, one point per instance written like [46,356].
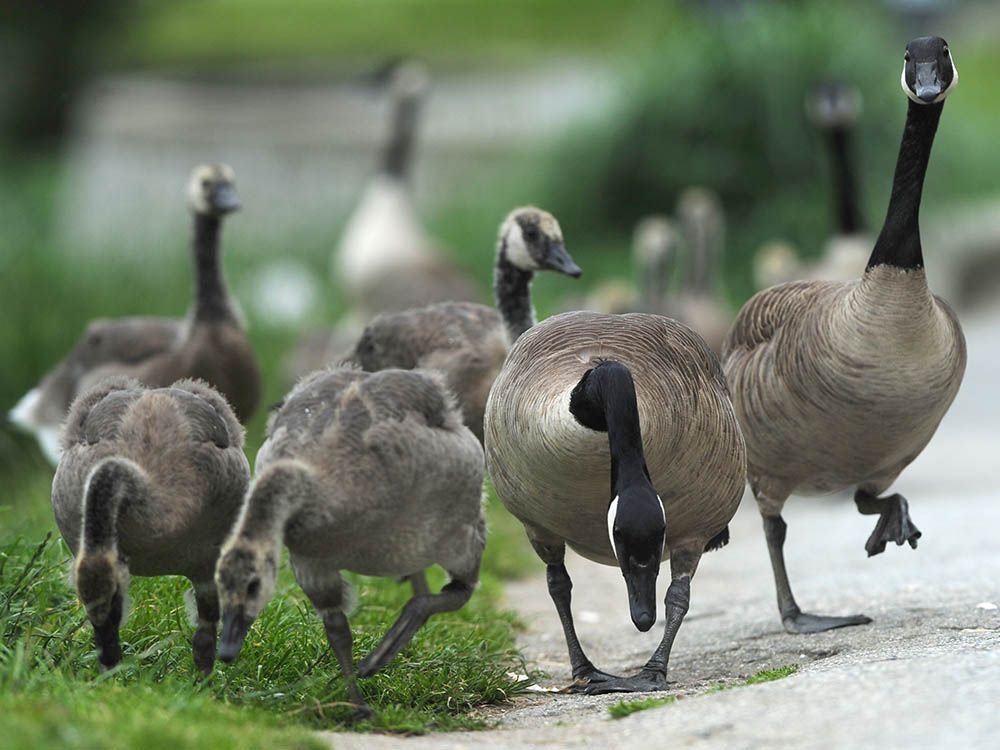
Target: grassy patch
[621,709]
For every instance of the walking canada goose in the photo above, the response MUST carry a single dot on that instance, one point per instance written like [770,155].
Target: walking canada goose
[385,259]
[210,344]
[465,341]
[637,402]
[369,472]
[703,226]
[842,384]
[149,483]
[834,108]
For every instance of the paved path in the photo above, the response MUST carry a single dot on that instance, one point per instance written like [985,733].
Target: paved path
[926,673]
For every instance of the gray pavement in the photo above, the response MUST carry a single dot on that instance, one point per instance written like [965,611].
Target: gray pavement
[925,674]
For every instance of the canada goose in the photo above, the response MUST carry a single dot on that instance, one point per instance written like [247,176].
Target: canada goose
[842,384]
[698,304]
[834,108]
[369,472]
[636,401]
[465,341]
[150,482]
[209,344]
[654,251]
[385,260]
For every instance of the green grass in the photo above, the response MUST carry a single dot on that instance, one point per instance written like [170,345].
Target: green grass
[624,708]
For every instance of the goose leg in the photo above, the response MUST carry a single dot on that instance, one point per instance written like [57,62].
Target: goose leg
[894,524]
[338,634]
[416,612]
[793,618]
[585,674]
[206,599]
[418,582]
[653,676]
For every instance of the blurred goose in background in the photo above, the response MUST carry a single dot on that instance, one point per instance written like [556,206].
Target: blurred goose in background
[842,384]
[466,341]
[776,262]
[210,343]
[699,304]
[385,259]
[655,242]
[834,108]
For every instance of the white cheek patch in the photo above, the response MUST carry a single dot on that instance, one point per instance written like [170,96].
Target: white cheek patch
[612,514]
[517,251]
[664,513]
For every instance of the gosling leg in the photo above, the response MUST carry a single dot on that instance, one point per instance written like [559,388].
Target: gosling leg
[338,633]
[206,600]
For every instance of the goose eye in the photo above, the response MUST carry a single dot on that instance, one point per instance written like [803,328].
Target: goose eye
[531,234]
[947,52]
[206,184]
[253,588]
[906,57]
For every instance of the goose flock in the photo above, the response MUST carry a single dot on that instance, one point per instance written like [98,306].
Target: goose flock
[627,434]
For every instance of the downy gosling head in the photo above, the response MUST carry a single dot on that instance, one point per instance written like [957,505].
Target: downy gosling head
[929,72]
[533,241]
[245,577]
[212,190]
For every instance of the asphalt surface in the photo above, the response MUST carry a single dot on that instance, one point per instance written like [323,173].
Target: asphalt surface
[926,673]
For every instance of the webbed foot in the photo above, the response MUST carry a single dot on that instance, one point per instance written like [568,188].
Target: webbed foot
[647,681]
[894,525]
[585,678]
[804,623]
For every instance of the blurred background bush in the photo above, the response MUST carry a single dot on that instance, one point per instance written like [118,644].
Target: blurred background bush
[599,111]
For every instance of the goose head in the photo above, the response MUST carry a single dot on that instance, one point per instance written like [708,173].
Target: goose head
[636,528]
[245,578]
[212,190]
[531,240]
[929,72]
[654,243]
[833,104]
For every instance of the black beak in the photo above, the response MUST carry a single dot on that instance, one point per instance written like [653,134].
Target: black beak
[640,581]
[559,260]
[927,85]
[225,199]
[235,626]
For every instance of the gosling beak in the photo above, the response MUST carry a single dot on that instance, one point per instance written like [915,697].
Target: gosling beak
[235,626]
[927,86]
[640,581]
[559,260]
[225,200]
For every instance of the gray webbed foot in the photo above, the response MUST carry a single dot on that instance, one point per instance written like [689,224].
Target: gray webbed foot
[584,679]
[804,623]
[894,525]
[647,681]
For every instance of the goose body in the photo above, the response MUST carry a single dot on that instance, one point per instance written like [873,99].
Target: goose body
[551,464]
[842,384]
[385,259]
[210,344]
[150,482]
[369,472]
[468,342]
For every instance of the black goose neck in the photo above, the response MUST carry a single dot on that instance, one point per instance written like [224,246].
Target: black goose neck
[898,243]
[605,400]
[845,183]
[211,300]
[398,152]
[512,293]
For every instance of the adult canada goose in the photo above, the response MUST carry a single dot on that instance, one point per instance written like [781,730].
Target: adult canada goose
[637,402]
[842,384]
[834,108]
[385,259]
[465,341]
[210,344]
[698,305]
[369,472]
[150,483]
